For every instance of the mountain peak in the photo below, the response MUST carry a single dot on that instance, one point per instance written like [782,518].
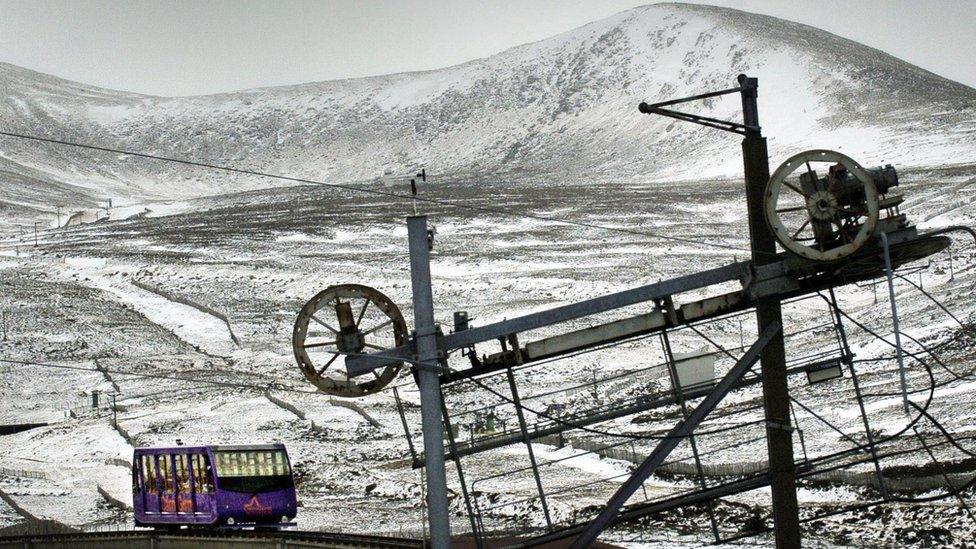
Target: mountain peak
[557,108]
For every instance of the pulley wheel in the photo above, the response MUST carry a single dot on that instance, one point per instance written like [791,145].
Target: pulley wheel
[821,205]
[343,320]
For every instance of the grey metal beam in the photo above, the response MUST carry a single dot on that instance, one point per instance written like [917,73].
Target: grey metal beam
[594,306]
[894,319]
[674,437]
[774,280]
[427,380]
[610,332]
[594,335]
[359,365]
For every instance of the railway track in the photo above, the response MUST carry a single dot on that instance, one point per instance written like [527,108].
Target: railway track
[214,539]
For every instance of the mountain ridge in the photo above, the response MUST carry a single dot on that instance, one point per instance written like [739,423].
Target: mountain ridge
[562,107]
[255,89]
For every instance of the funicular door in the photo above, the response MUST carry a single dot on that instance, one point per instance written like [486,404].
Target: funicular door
[202,485]
[167,482]
[150,484]
[184,492]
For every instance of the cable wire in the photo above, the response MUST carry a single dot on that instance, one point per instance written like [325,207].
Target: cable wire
[441,202]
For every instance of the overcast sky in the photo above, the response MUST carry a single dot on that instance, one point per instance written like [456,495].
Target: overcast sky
[182,47]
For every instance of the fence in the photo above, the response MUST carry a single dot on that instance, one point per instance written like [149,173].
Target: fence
[25,473]
[119,462]
[189,303]
[295,410]
[111,500]
[83,407]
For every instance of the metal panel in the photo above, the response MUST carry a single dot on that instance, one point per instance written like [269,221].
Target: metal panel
[827,373]
[594,335]
[694,369]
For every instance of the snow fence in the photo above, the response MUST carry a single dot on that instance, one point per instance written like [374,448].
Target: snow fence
[189,303]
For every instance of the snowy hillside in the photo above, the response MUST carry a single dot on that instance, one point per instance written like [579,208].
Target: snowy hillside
[562,108]
[184,310]
[80,301]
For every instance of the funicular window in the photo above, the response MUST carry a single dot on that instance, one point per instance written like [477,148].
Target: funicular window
[253,470]
[201,474]
[182,473]
[149,472]
[279,465]
[228,463]
[143,466]
[166,473]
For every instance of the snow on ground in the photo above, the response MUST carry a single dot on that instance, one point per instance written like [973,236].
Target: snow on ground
[72,303]
[8,517]
[203,330]
[586,462]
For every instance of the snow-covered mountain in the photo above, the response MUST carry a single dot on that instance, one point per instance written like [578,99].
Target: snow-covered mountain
[565,107]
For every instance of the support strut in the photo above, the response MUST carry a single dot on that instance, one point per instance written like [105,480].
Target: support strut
[679,393]
[675,436]
[776,395]
[427,380]
[889,271]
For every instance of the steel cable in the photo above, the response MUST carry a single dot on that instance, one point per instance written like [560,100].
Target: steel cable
[375,192]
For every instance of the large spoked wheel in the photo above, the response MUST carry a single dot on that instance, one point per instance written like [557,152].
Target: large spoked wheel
[342,320]
[823,218]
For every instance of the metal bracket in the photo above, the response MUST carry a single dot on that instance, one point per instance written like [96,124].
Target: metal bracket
[769,279]
[667,304]
[747,85]
[780,426]
[421,333]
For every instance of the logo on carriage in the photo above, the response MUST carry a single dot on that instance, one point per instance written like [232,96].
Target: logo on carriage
[255,507]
